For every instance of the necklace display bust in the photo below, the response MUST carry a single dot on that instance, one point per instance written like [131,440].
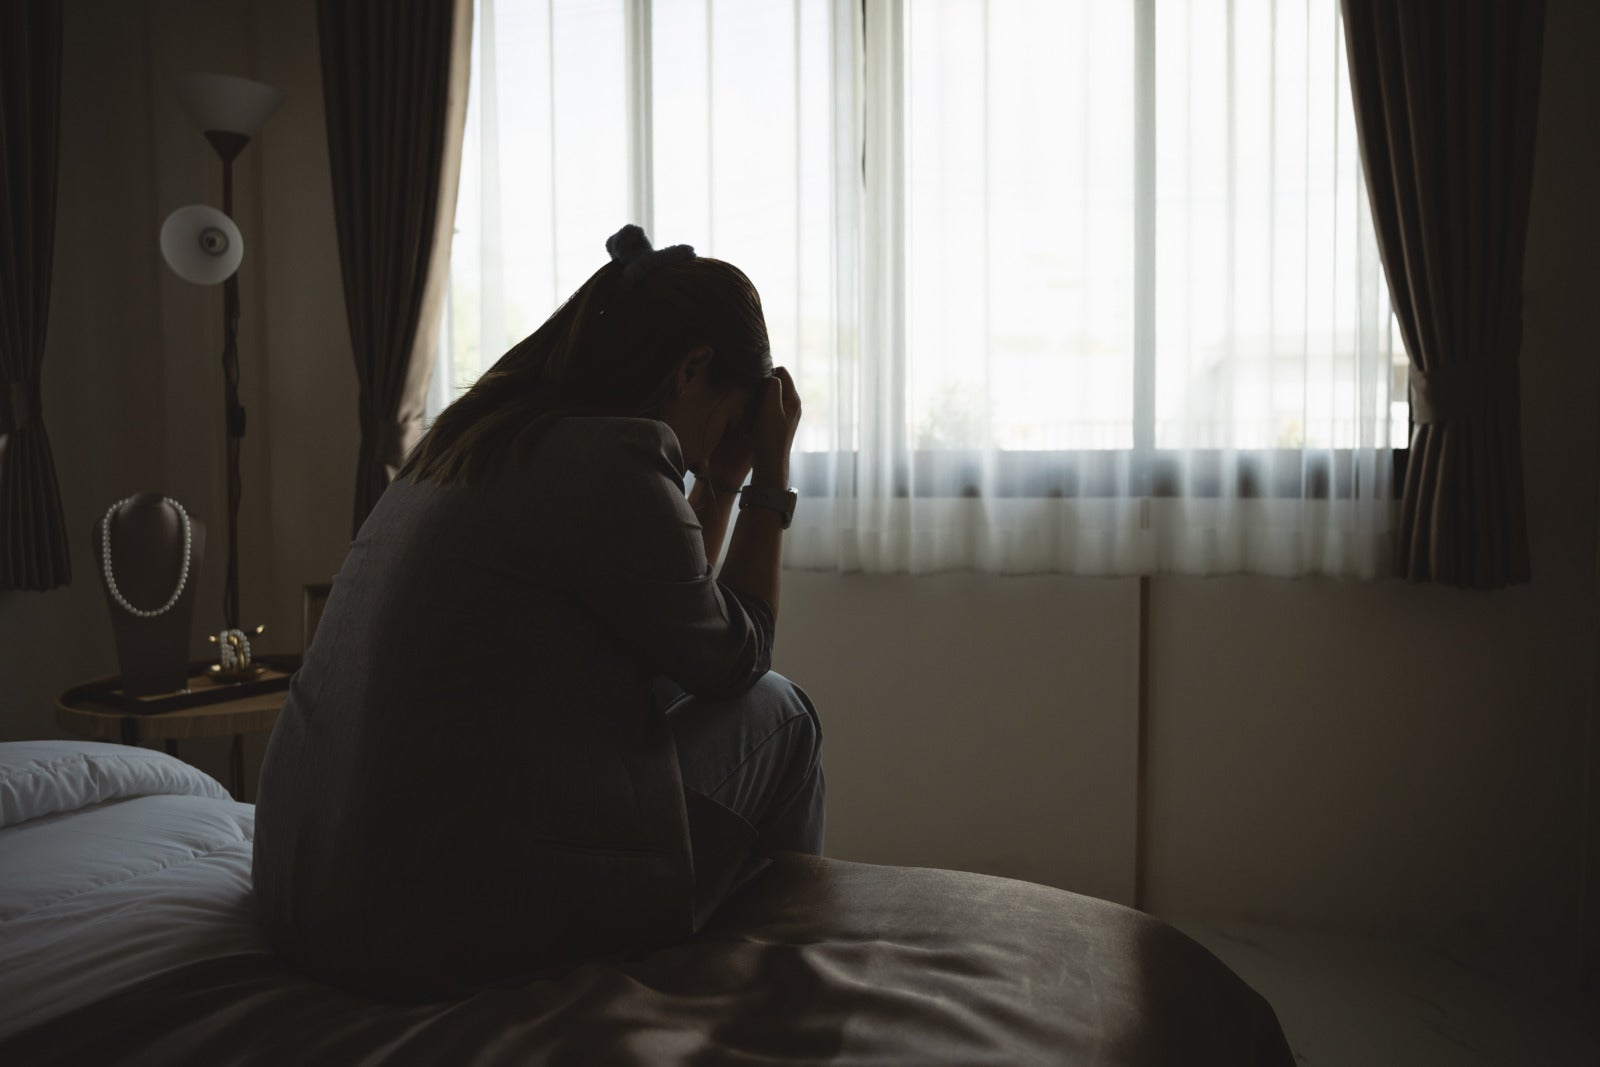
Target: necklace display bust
[147,551]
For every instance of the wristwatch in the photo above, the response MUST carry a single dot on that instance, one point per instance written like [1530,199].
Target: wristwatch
[761,496]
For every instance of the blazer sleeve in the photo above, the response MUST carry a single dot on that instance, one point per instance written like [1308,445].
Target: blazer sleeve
[647,578]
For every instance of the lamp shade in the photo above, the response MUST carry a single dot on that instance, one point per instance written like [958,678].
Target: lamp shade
[201,244]
[227,104]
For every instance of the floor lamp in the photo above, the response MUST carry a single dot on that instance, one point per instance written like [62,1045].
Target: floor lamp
[204,246]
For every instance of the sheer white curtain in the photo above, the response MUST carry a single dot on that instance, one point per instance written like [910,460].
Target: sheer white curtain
[1067,285]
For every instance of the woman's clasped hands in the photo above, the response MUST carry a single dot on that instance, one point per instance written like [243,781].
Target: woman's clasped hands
[758,445]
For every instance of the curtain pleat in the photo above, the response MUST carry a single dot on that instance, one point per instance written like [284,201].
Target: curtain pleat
[33,532]
[394,81]
[1447,97]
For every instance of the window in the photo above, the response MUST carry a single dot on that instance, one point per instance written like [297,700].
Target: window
[1033,248]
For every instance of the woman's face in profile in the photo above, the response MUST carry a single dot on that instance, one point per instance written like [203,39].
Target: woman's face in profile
[701,414]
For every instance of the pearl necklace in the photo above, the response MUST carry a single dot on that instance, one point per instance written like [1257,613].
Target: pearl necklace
[105,560]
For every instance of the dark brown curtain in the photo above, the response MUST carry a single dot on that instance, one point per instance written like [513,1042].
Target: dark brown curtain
[1446,98]
[394,92]
[33,532]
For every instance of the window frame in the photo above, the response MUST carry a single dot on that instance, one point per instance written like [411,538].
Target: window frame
[1142,471]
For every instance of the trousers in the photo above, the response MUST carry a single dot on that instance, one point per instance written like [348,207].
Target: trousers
[759,754]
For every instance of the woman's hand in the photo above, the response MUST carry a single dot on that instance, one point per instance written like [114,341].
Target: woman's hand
[730,461]
[754,560]
[772,436]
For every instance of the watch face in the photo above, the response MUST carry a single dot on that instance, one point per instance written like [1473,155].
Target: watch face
[779,500]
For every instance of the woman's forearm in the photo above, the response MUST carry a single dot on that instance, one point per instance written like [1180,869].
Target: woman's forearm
[756,551]
[755,554]
[712,509]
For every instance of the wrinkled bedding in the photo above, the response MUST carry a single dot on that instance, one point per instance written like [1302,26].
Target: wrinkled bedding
[127,935]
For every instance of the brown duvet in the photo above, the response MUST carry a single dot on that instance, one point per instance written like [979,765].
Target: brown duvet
[814,961]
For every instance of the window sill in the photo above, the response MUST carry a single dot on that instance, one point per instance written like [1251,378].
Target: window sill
[1285,473]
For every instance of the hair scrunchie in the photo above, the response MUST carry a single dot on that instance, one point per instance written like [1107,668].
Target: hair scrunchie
[630,247]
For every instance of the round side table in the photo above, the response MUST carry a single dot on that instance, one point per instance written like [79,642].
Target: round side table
[233,717]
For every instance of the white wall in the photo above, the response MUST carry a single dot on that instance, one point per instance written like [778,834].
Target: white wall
[1340,754]
[971,722]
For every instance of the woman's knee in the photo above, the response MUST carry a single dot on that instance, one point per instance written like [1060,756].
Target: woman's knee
[773,704]
[789,701]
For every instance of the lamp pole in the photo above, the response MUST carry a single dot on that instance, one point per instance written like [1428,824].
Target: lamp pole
[228,111]
[228,145]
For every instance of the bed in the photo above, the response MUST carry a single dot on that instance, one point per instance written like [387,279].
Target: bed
[127,935]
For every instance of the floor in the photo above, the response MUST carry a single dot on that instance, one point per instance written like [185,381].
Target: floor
[1350,1001]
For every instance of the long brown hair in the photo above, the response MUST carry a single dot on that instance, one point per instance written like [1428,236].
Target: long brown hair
[610,349]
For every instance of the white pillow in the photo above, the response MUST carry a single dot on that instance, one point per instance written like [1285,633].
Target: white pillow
[46,777]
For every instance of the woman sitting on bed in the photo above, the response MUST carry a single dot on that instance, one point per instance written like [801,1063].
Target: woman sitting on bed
[533,728]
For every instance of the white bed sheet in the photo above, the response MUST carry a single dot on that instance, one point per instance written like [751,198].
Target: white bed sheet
[94,900]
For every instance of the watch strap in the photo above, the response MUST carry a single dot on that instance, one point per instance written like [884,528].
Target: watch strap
[780,500]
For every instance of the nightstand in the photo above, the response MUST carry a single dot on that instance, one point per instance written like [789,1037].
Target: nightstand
[97,710]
